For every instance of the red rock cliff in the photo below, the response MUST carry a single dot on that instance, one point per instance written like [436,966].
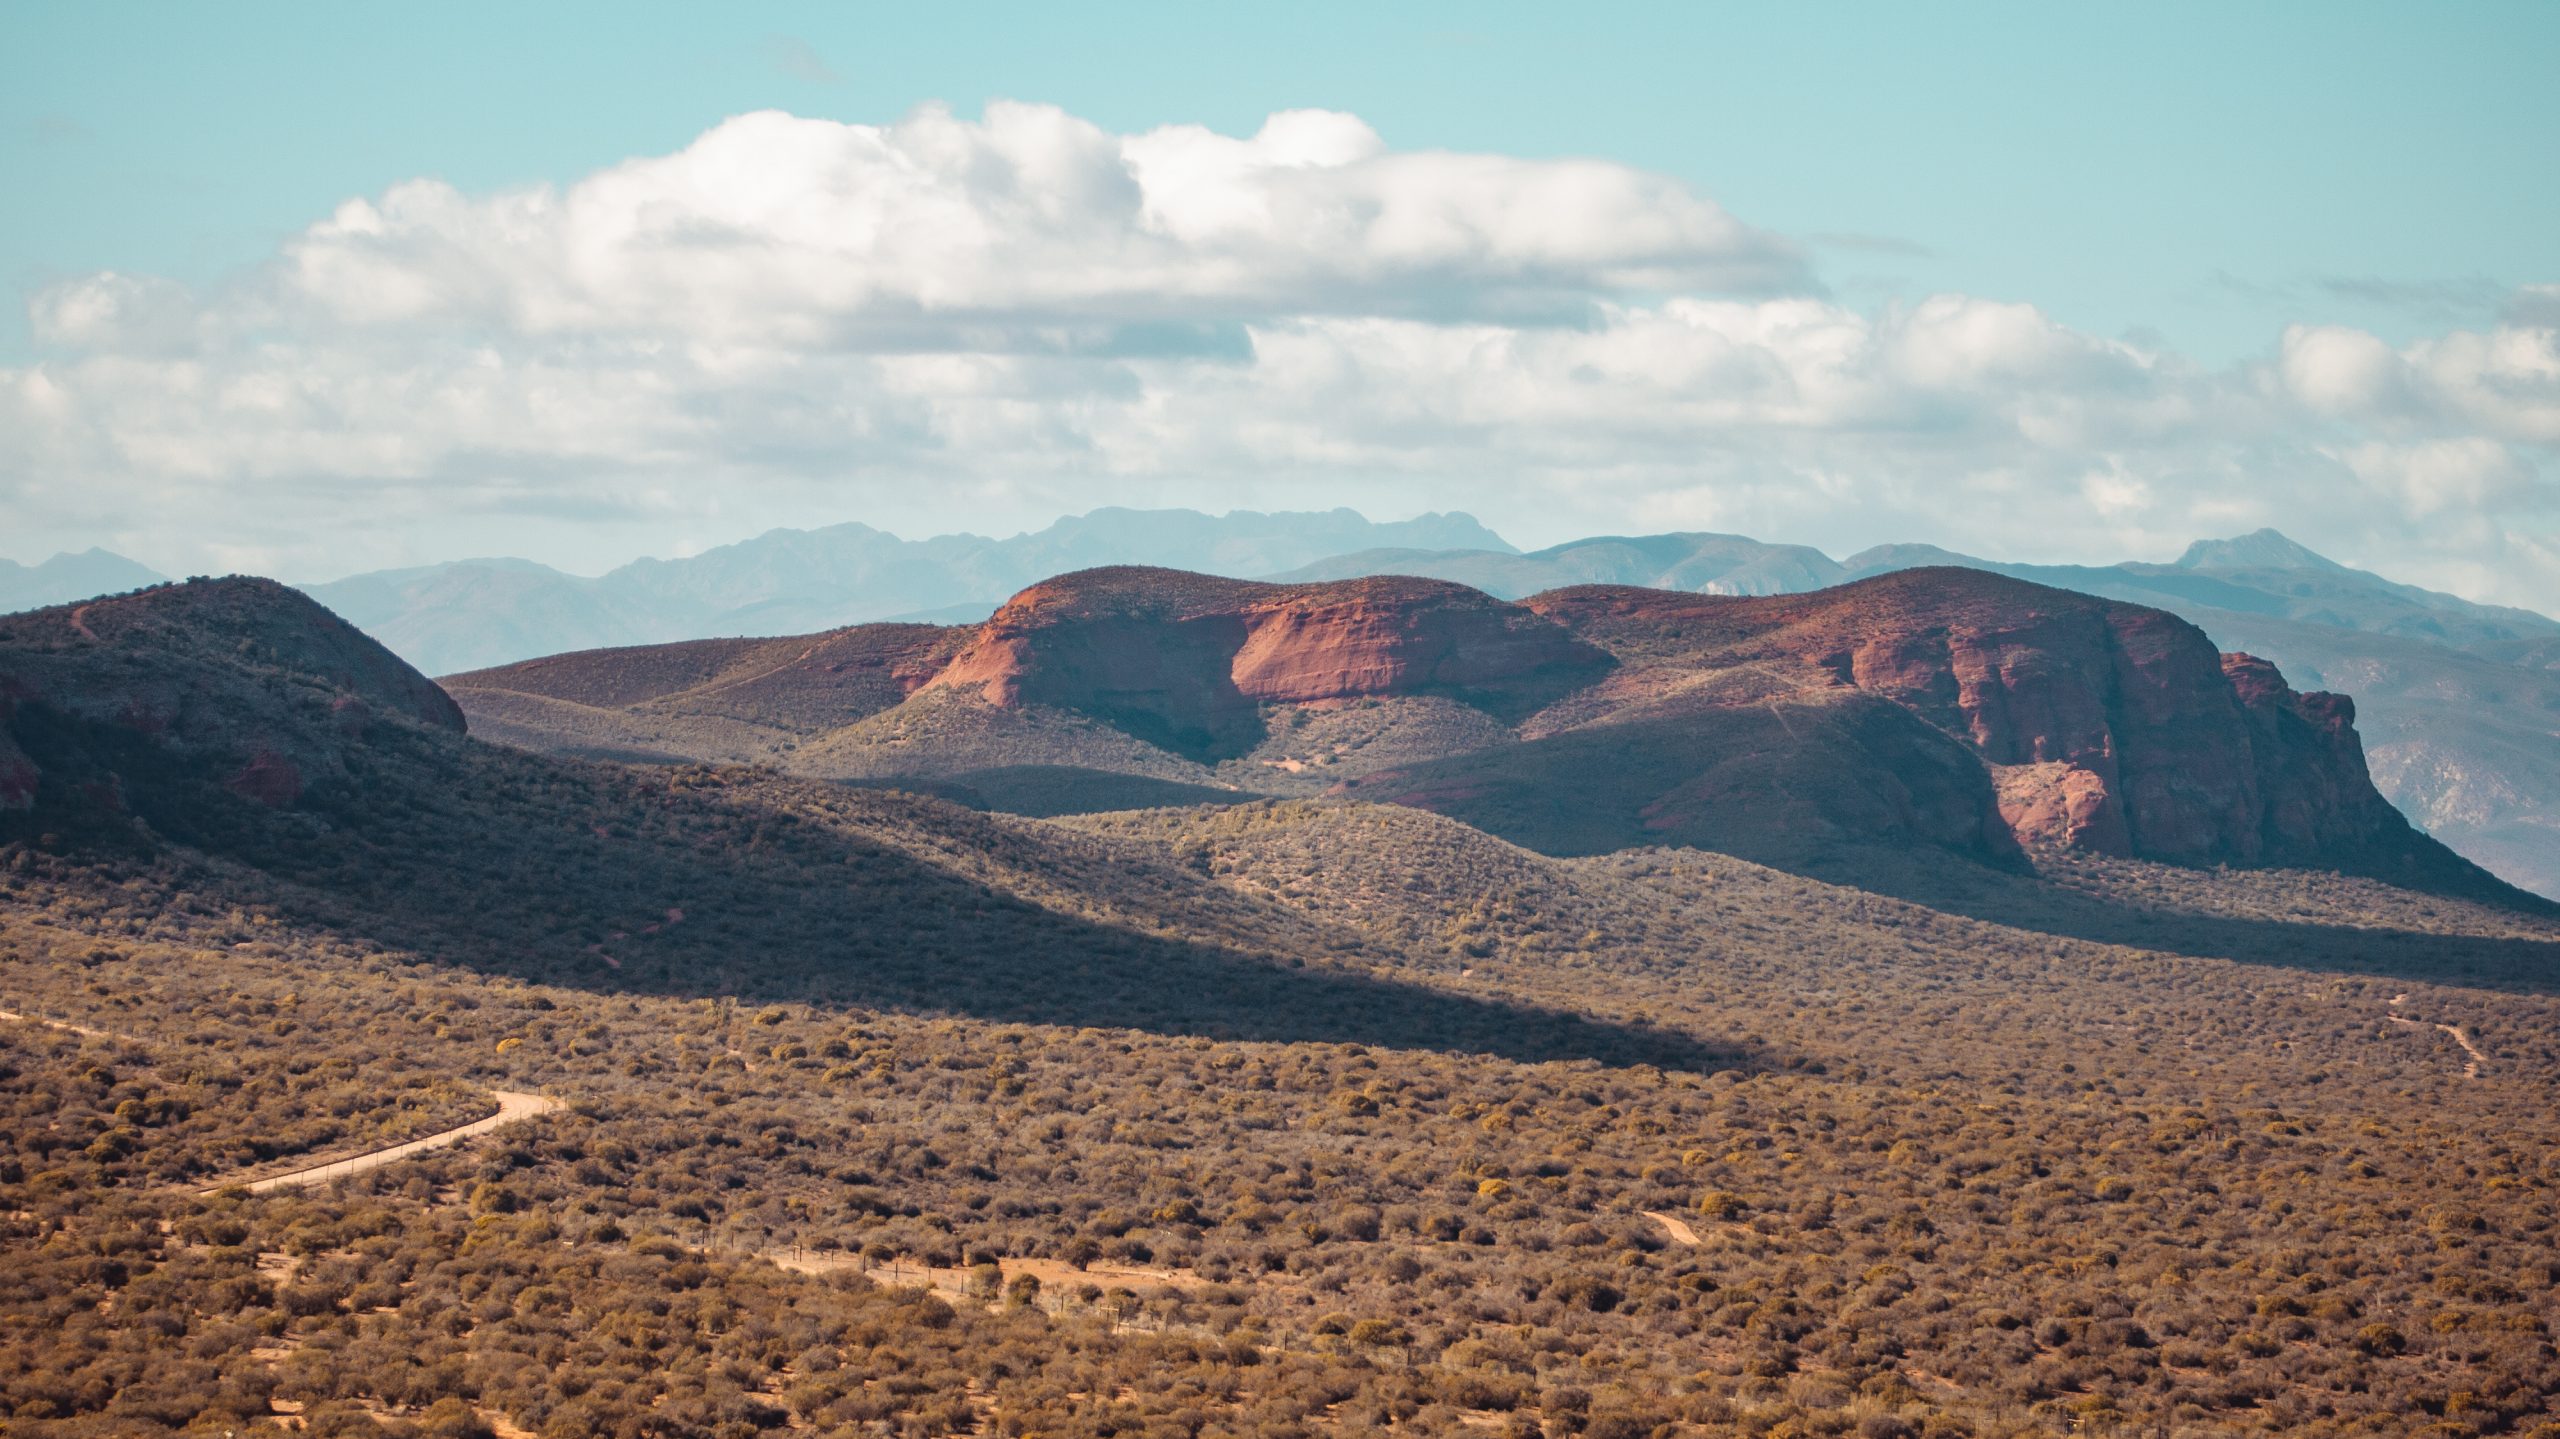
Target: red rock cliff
[2108,726]
[1186,661]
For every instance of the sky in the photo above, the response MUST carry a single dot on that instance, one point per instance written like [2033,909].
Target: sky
[311,290]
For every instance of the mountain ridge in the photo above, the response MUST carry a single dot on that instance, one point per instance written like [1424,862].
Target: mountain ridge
[473,614]
[66,577]
[1953,706]
[2456,696]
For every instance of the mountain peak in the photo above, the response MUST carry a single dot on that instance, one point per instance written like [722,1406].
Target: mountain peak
[2257,550]
[69,576]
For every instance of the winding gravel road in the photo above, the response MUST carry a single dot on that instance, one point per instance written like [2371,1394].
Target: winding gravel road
[512,1106]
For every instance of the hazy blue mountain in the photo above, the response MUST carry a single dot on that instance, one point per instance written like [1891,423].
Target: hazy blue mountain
[476,613]
[1705,563]
[2262,574]
[2257,550]
[438,617]
[69,577]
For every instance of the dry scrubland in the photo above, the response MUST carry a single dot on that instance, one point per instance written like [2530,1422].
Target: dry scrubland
[1946,1175]
[1271,1118]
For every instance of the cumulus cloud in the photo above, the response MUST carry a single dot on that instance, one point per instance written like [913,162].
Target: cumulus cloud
[2341,371]
[1027,229]
[2468,476]
[947,322]
[115,313]
[2534,307]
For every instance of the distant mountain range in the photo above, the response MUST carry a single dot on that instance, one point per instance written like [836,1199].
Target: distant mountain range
[70,577]
[2459,702]
[475,613]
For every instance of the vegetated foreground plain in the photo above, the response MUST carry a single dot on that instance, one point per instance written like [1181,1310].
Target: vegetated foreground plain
[1301,1116]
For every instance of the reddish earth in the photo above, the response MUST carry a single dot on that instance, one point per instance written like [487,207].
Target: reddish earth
[269,778]
[809,681]
[1948,707]
[1187,662]
[2109,726]
[2055,802]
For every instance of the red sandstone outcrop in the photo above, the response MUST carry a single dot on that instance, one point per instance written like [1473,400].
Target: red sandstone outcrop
[2316,801]
[2054,802]
[1943,707]
[2108,726]
[2094,724]
[1187,662]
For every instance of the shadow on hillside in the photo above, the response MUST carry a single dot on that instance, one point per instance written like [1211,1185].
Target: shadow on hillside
[1042,791]
[1738,779]
[605,879]
[2030,903]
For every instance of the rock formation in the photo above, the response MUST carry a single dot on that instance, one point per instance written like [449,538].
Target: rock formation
[1187,662]
[1950,707]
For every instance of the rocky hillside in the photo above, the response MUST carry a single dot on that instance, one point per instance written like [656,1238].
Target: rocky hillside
[2457,699]
[1189,663]
[242,682]
[1948,707]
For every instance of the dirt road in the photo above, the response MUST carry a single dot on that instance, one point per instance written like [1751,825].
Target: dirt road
[1674,1226]
[512,1106]
[2478,1059]
[67,1027]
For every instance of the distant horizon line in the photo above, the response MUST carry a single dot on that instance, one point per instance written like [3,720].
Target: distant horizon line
[1469,517]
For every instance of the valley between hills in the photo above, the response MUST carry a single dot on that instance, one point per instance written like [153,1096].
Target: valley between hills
[1936,1005]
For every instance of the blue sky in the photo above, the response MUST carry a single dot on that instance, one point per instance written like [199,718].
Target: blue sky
[2043,282]
[2208,173]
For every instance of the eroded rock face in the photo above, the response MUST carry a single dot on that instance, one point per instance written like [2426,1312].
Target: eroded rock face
[2129,702]
[2126,733]
[2055,802]
[1187,662]
[2108,727]
[2315,798]
[2091,724]
[1384,638]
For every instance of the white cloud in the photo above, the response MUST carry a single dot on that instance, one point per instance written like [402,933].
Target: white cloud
[948,323]
[107,311]
[2469,476]
[2342,372]
[1028,229]
[2503,382]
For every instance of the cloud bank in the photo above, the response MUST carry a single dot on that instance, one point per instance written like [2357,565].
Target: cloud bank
[953,323]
